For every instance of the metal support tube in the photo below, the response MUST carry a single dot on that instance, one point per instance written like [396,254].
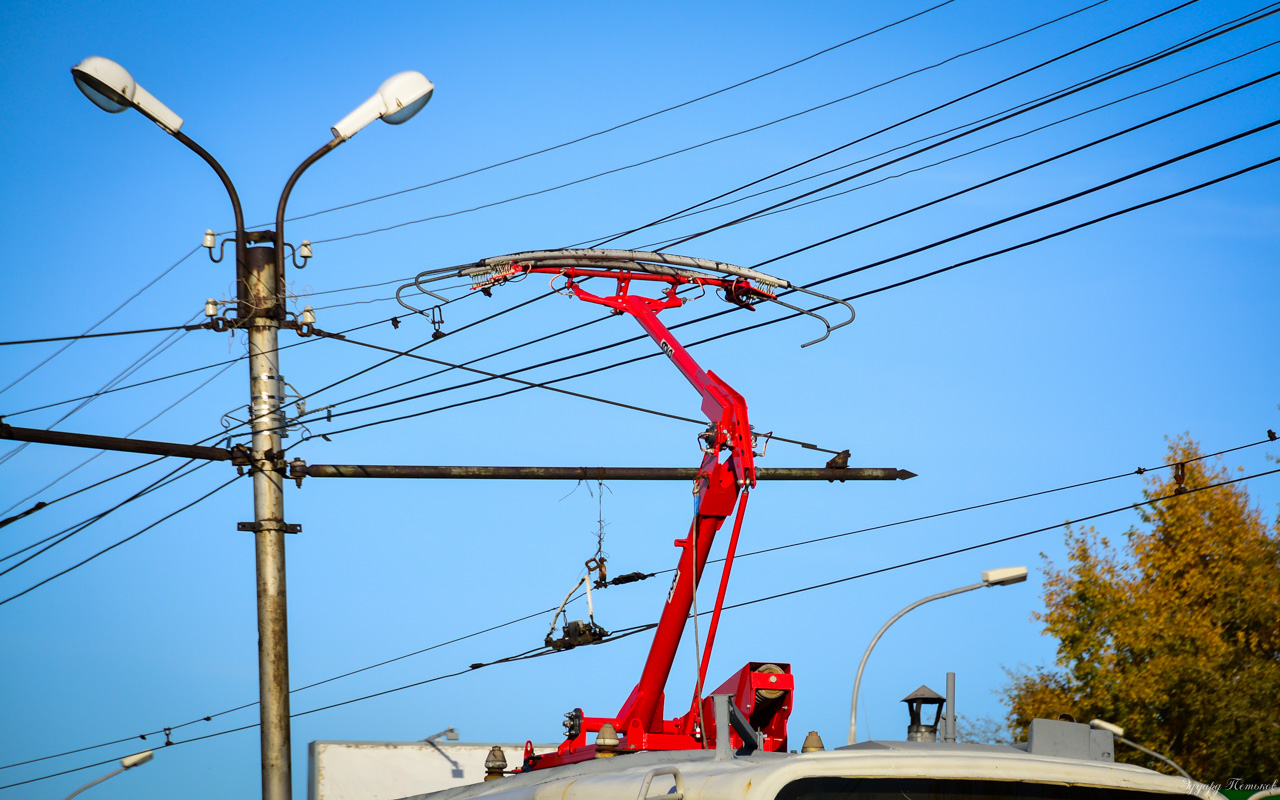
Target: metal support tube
[949,721]
[595,473]
[265,394]
[117,443]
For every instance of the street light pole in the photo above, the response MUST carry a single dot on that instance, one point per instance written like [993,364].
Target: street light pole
[126,763]
[266,458]
[991,577]
[260,310]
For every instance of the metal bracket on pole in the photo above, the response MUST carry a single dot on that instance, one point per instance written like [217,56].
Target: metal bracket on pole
[727,714]
[258,527]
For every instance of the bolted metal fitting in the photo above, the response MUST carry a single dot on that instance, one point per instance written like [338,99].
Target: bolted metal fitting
[494,764]
[812,742]
[606,741]
[298,470]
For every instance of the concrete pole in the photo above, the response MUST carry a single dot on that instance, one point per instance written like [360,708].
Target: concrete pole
[266,390]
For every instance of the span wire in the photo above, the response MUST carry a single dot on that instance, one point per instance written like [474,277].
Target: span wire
[537,653]
[622,125]
[94,326]
[697,146]
[1087,85]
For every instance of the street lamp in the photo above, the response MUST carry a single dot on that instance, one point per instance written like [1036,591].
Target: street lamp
[260,309]
[1118,732]
[992,577]
[128,762]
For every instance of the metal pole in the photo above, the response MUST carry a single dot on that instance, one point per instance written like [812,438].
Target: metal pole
[266,460]
[949,726]
[589,473]
[857,681]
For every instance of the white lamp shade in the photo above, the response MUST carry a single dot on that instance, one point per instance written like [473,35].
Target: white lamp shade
[113,89]
[106,83]
[397,99]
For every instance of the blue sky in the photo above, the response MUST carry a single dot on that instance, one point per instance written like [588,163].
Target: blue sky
[1050,365]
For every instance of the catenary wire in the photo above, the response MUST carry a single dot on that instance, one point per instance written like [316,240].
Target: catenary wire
[112,313]
[699,145]
[102,335]
[1170,50]
[902,122]
[785,317]
[187,371]
[1082,9]
[704,201]
[130,537]
[146,358]
[629,122]
[91,458]
[209,717]
[649,626]
[657,246]
[1060,155]
[1040,104]
[67,533]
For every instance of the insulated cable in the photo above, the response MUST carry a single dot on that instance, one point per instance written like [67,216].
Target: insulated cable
[699,145]
[633,121]
[649,626]
[1081,87]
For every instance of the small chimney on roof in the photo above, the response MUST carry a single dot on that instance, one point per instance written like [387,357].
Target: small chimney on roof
[918,731]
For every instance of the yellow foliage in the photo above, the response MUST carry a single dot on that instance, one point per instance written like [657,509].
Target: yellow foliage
[1175,634]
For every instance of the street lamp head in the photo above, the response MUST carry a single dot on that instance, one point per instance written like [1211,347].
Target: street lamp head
[1004,576]
[137,760]
[397,99]
[113,89]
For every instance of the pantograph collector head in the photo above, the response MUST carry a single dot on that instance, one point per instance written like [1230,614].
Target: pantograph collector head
[737,285]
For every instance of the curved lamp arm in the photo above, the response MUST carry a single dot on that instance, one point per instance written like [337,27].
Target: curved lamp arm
[397,99]
[110,87]
[992,577]
[857,681]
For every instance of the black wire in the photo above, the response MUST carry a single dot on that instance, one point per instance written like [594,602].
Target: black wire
[411,350]
[91,458]
[657,246]
[101,335]
[539,652]
[956,265]
[1003,539]
[630,122]
[1037,240]
[896,125]
[1199,40]
[146,358]
[68,532]
[187,371]
[1139,471]
[526,384]
[117,544]
[971,188]
[210,717]
[705,143]
[127,301]
[723,195]
[1027,212]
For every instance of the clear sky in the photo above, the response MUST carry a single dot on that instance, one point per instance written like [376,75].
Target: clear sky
[1046,366]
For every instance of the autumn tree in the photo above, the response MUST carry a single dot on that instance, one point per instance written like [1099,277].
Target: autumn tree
[1173,634]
